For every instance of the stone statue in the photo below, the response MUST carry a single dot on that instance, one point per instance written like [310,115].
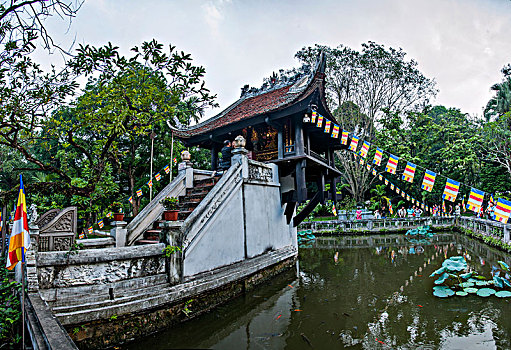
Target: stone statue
[33,214]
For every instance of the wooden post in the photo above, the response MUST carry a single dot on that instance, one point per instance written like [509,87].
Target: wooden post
[333,189]
[214,157]
[299,137]
[321,188]
[301,186]
[280,143]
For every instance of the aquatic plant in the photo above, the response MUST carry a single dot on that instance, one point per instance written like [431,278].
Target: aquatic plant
[420,231]
[452,279]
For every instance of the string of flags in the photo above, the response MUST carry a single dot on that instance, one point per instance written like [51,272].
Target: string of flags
[502,210]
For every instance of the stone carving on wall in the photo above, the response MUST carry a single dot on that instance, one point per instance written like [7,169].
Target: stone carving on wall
[57,229]
[260,173]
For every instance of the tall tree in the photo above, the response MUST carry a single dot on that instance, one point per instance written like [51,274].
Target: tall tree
[500,103]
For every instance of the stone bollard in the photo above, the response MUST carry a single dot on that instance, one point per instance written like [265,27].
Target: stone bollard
[172,236]
[185,167]
[239,155]
[119,233]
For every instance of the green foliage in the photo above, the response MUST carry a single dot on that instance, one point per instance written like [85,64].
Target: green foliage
[186,309]
[169,250]
[170,203]
[10,310]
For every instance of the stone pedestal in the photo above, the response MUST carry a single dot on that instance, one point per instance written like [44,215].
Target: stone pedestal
[239,156]
[186,169]
[119,233]
[172,237]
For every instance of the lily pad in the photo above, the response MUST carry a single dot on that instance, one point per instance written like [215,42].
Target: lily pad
[503,294]
[481,283]
[466,284]
[473,280]
[443,293]
[455,263]
[498,282]
[485,292]
[503,265]
[438,272]
[461,293]
[442,278]
[471,290]
[466,275]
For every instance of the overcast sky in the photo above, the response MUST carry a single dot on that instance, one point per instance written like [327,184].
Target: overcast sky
[462,44]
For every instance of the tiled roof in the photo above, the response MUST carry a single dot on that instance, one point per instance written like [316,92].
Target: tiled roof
[244,108]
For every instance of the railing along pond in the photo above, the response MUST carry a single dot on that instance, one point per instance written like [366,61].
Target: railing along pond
[482,226]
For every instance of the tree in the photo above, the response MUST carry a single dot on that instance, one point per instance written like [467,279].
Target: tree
[360,86]
[501,102]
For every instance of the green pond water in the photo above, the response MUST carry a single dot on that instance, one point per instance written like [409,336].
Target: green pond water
[377,295]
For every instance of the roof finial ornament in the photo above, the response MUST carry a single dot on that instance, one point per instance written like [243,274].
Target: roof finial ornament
[244,90]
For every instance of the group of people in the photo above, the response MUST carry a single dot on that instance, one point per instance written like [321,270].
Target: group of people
[411,212]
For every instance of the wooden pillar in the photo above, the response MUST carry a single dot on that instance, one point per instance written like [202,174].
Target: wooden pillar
[321,188]
[214,157]
[299,137]
[308,141]
[301,186]
[280,142]
[333,189]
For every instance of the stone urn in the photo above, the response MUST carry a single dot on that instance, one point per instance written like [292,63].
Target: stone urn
[239,142]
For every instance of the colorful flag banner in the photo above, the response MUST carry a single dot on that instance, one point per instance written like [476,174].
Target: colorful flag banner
[443,207]
[354,143]
[403,194]
[101,223]
[313,117]
[463,205]
[408,198]
[391,186]
[334,210]
[380,177]
[475,200]
[451,190]
[157,176]
[335,131]
[361,161]
[502,210]
[392,164]
[387,182]
[175,161]
[109,214]
[344,137]
[365,149]
[19,241]
[389,203]
[398,190]
[320,121]
[139,192]
[409,172]
[429,180]
[374,172]
[368,166]
[1,222]
[150,183]
[167,169]
[130,199]
[377,156]
[422,206]
[81,236]
[328,123]
[90,230]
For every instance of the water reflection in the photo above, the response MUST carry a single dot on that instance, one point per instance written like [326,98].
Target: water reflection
[371,292]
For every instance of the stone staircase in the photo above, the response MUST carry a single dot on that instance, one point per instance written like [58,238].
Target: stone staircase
[187,204]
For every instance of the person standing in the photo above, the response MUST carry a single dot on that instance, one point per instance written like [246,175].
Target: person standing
[225,163]
[457,210]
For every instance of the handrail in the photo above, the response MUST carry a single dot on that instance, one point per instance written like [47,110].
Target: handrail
[153,210]
[192,225]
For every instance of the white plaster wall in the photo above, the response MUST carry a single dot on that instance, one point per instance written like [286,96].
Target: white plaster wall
[221,240]
[266,224]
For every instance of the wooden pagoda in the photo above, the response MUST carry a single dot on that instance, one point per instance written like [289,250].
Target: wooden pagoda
[275,122]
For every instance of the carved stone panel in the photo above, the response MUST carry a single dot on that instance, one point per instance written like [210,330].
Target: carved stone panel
[57,229]
[260,173]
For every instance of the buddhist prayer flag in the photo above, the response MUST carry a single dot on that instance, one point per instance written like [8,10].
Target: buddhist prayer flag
[320,121]
[475,200]
[377,156]
[380,177]
[403,194]
[157,177]
[365,149]
[130,199]
[314,115]
[327,126]
[443,206]
[139,192]
[392,164]
[334,210]
[82,235]
[1,222]
[90,229]
[409,172]
[167,169]
[150,183]
[502,210]
[344,138]
[101,224]
[374,172]
[463,205]
[354,143]
[361,161]
[387,182]
[429,180]
[451,190]
[398,190]
[335,131]
[368,167]
[389,203]
[422,206]
[19,242]
[175,162]
[391,185]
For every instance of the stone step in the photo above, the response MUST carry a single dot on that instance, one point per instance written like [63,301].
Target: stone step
[186,206]
[103,301]
[147,241]
[206,182]
[184,214]
[70,295]
[192,198]
[198,191]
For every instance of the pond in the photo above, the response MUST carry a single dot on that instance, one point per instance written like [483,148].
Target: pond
[367,292]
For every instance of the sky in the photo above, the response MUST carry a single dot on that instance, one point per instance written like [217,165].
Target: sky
[462,44]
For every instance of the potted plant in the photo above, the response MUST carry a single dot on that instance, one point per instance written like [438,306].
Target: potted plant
[117,211]
[171,205]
